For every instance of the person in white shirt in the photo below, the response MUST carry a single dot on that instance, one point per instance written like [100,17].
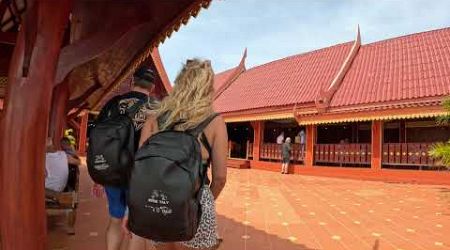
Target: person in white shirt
[57,167]
[301,134]
[280,138]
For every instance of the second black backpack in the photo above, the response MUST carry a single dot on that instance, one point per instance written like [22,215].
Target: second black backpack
[165,181]
[111,148]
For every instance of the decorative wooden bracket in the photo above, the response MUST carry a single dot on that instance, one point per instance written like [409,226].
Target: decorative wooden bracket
[85,50]
[325,96]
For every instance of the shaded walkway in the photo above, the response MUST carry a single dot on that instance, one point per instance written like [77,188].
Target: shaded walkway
[265,210]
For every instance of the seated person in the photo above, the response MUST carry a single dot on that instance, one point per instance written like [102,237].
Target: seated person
[73,168]
[57,167]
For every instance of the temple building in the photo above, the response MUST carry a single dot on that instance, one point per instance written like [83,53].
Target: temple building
[352,110]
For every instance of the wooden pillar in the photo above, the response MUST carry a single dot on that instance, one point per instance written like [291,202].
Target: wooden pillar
[402,132]
[377,144]
[311,131]
[258,138]
[82,138]
[23,127]
[58,116]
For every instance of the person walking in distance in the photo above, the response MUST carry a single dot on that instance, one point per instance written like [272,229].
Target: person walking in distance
[286,155]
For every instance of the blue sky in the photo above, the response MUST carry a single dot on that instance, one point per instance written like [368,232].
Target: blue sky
[275,29]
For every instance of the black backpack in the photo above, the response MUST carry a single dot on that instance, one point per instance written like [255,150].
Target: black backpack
[111,148]
[164,200]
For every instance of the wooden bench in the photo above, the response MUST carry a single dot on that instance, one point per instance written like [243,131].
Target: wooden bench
[64,202]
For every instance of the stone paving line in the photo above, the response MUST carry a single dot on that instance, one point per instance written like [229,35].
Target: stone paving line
[261,210]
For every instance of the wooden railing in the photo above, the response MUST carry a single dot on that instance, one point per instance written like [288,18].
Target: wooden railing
[272,152]
[354,153]
[409,154]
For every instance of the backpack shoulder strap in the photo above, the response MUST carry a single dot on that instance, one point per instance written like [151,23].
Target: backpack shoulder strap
[199,129]
[204,169]
[206,144]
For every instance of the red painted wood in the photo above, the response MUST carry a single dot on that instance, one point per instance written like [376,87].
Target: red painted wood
[390,175]
[258,139]
[8,38]
[342,153]
[58,116]
[82,140]
[377,143]
[310,142]
[23,130]
[407,154]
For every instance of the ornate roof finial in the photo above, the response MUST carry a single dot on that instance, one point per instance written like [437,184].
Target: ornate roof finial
[325,96]
[358,35]
[233,76]
[244,57]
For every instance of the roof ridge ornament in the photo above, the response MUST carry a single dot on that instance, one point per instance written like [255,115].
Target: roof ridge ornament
[236,73]
[325,96]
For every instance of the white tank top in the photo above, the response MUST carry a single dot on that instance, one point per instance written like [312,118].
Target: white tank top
[57,168]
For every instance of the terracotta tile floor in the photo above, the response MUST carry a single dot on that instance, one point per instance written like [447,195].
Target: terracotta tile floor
[269,211]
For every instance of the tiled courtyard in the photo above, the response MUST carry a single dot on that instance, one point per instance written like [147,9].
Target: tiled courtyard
[269,211]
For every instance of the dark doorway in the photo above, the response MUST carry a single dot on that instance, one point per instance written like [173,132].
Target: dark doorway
[345,133]
[240,134]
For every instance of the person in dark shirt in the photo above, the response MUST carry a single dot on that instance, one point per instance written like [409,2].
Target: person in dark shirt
[143,85]
[286,154]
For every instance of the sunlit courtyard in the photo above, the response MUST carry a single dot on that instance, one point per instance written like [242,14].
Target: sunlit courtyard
[266,210]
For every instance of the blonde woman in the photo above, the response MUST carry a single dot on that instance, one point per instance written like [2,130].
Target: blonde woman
[191,102]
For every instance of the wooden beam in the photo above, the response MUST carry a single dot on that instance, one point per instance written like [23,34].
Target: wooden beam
[81,100]
[161,70]
[74,125]
[8,38]
[58,116]
[82,140]
[377,144]
[86,50]
[258,138]
[23,130]
[311,131]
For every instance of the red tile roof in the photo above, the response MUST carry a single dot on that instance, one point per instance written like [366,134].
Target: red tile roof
[291,80]
[398,69]
[221,78]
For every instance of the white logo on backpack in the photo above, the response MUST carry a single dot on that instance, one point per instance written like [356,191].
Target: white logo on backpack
[100,162]
[159,203]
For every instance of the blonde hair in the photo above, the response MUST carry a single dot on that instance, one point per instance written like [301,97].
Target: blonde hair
[190,101]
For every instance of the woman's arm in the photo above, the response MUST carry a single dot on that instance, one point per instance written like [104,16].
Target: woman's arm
[73,160]
[219,156]
[150,127]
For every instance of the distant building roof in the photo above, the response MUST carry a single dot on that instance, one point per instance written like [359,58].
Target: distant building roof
[403,68]
[288,81]
[221,78]
[408,69]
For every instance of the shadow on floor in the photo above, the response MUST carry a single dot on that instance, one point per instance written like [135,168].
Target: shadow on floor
[57,236]
[237,236]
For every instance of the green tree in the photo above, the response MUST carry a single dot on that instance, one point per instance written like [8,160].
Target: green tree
[441,151]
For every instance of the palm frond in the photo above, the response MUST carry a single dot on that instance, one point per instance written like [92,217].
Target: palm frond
[441,152]
[445,119]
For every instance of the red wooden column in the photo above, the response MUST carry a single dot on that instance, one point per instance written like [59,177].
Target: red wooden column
[58,116]
[258,138]
[377,144]
[310,143]
[23,127]
[82,137]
